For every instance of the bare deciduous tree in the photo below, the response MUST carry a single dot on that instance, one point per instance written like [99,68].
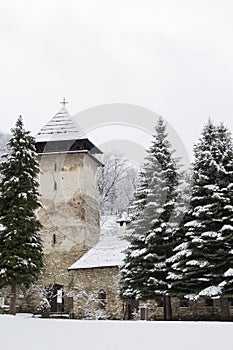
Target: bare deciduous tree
[117,182]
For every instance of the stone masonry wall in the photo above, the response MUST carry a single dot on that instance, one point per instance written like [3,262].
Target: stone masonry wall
[88,286]
[87,283]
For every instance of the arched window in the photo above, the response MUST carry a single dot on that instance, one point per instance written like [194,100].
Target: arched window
[102,299]
[184,302]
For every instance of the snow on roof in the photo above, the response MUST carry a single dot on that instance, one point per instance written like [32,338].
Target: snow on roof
[108,252]
[61,127]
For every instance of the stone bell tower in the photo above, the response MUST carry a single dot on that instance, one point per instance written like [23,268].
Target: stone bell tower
[69,196]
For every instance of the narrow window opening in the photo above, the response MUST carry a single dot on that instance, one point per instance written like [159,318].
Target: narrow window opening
[54,239]
[55,185]
[55,167]
[159,301]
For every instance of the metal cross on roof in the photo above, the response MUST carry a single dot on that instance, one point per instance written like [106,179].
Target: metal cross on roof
[64,102]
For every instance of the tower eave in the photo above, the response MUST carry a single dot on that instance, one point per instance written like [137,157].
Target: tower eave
[67,146]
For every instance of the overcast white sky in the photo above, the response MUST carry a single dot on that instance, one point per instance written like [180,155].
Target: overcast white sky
[174,57]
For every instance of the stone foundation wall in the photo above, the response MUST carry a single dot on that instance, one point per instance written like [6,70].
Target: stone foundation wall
[87,284]
[27,300]
[82,298]
[184,309]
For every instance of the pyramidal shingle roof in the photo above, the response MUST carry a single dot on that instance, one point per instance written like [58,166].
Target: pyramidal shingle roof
[61,127]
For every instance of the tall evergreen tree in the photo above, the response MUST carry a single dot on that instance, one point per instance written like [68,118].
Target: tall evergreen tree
[203,263]
[20,242]
[144,272]
[225,210]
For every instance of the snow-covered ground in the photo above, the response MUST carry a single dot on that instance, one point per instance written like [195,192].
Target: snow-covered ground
[20,333]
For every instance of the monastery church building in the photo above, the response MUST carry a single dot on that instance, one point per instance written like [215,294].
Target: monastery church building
[83,255]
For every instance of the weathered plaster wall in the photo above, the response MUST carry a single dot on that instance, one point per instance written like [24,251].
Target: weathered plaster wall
[69,212]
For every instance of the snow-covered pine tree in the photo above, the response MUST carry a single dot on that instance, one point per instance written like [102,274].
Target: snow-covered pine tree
[188,262]
[133,273]
[223,257]
[202,264]
[225,211]
[144,272]
[20,243]
[139,200]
